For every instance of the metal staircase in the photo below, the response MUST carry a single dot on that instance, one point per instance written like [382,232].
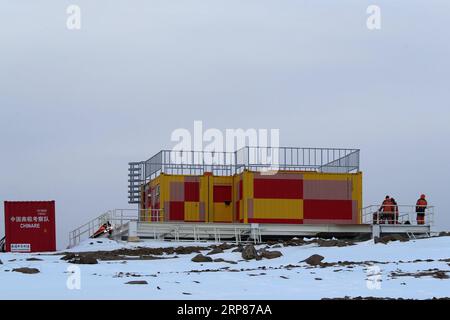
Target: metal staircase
[118,218]
[2,244]
[135,180]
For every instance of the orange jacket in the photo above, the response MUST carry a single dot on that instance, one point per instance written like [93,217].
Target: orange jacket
[421,205]
[387,206]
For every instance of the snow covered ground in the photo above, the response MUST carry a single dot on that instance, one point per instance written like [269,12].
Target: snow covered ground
[281,278]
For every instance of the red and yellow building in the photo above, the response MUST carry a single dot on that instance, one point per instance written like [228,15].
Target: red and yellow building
[287,197]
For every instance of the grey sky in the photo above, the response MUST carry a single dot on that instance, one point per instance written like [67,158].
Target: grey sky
[76,106]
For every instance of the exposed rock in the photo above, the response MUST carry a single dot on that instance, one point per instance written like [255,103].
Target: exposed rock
[440,275]
[223,260]
[34,259]
[249,252]
[26,270]
[256,274]
[140,253]
[294,242]
[1,262]
[333,243]
[201,258]
[137,282]
[84,260]
[314,260]
[391,237]
[225,246]
[271,254]
[435,273]
[189,250]
[215,251]
[238,249]
[128,274]
[69,256]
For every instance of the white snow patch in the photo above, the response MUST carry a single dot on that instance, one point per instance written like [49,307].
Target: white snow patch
[175,276]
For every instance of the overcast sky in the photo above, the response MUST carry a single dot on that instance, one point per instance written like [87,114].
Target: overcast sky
[77,106]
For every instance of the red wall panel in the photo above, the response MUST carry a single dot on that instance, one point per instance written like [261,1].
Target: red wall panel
[327,209]
[278,189]
[222,193]
[176,210]
[192,191]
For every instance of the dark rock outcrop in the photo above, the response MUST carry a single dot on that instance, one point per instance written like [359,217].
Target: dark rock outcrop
[201,258]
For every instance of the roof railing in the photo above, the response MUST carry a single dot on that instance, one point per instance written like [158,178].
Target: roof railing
[329,160]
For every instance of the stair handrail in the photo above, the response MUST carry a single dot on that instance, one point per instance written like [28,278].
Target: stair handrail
[75,236]
[2,244]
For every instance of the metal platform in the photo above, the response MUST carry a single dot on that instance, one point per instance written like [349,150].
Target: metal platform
[134,225]
[239,232]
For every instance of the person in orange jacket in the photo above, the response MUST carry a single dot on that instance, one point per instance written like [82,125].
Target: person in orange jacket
[395,211]
[421,206]
[386,210]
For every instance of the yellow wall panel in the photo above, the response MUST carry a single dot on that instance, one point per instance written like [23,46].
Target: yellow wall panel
[223,213]
[277,209]
[326,176]
[223,180]
[191,211]
[247,183]
[357,193]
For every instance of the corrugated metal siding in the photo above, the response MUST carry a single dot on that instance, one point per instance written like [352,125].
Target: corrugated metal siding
[192,211]
[222,197]
[327,189]
[176,191]
[278,188]
[222,193]
[176,210]
[192,191]
[276,209]
[328,209]
[286,197]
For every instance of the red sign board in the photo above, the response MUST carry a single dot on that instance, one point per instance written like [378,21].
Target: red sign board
[30,226]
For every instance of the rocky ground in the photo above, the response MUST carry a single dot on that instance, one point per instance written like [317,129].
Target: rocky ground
[390,267]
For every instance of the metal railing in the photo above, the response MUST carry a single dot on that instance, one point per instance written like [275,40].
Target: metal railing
[154,220]
[3,244]
[406,215]
[331,160]
[185,231]
[118,218]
